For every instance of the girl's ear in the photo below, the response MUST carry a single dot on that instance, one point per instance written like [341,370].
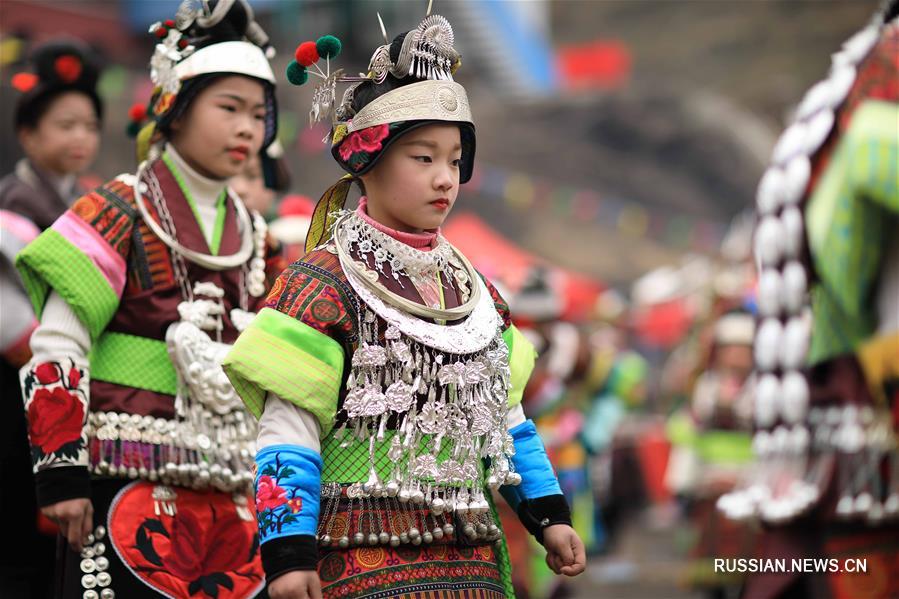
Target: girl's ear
[26,136]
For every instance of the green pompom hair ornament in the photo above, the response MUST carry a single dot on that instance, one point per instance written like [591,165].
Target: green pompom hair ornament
[328,46]
[308,54]
[297,73]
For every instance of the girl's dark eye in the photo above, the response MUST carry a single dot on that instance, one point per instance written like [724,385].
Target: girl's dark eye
[457,162]
[260,117]
[425,159]
[228,108]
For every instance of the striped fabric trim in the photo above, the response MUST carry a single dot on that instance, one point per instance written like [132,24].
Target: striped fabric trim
[114,356]
[521,361]
[89,241]
[279,354]
[51,261]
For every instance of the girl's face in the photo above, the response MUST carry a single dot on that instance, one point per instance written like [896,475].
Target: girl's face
[223,127]
[415,184]
[66,138]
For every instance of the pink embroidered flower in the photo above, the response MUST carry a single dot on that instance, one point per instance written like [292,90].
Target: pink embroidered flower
[367,140]
[268,494]
[295,504]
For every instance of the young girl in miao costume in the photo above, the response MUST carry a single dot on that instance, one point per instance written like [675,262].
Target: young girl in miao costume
[141,448]
[384,369]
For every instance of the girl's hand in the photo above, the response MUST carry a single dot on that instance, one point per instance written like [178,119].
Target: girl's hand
[565,552]
[75,518]
[298,584]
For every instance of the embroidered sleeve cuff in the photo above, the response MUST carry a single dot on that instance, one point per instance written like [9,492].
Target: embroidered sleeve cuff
[288,491]
[60,484]
[537,514]
[531,462]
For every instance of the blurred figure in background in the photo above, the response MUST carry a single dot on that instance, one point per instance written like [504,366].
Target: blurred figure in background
[57,121]
[711,449]
[291,225]
[828,377]
[262,179]
[618,483]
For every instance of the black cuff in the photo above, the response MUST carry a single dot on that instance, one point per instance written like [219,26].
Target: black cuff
[59,484]
[294,552]
[537,514]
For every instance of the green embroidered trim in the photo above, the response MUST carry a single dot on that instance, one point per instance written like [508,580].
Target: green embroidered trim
[114,356]
[52,261]
[220,206]
[297,363]
[220,212]
[521,362]
[350,464]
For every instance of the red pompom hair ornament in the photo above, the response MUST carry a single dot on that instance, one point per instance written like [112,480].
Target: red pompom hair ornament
[24,82]
[68,68]
[137,113]
[160,32]
[307,54]
[169,23]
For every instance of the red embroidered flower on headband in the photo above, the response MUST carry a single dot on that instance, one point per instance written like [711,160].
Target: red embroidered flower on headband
[367,140]
[68,68]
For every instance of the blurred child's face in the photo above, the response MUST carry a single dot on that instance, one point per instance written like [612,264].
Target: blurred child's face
[249,184]
[734,365]
[415,184]
[223,127]
[66,138]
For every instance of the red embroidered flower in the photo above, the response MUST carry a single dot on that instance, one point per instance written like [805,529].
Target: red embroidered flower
[367,140]
[295,504]
[54,419]
[74,378]
[194,553]
[268,494]
[47,373]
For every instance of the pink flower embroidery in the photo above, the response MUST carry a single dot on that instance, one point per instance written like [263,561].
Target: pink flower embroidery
[268,494]
[367,140]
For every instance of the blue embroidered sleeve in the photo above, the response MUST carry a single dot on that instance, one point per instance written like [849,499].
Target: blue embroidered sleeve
[288,489]
[531,462]
[538,500]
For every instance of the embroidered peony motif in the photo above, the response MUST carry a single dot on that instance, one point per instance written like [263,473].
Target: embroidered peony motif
[367,140]
[55,418]
[56,410]
[268,494]
[274,508]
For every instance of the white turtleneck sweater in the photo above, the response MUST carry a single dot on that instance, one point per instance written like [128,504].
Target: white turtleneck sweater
[60,333]
[204,191]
